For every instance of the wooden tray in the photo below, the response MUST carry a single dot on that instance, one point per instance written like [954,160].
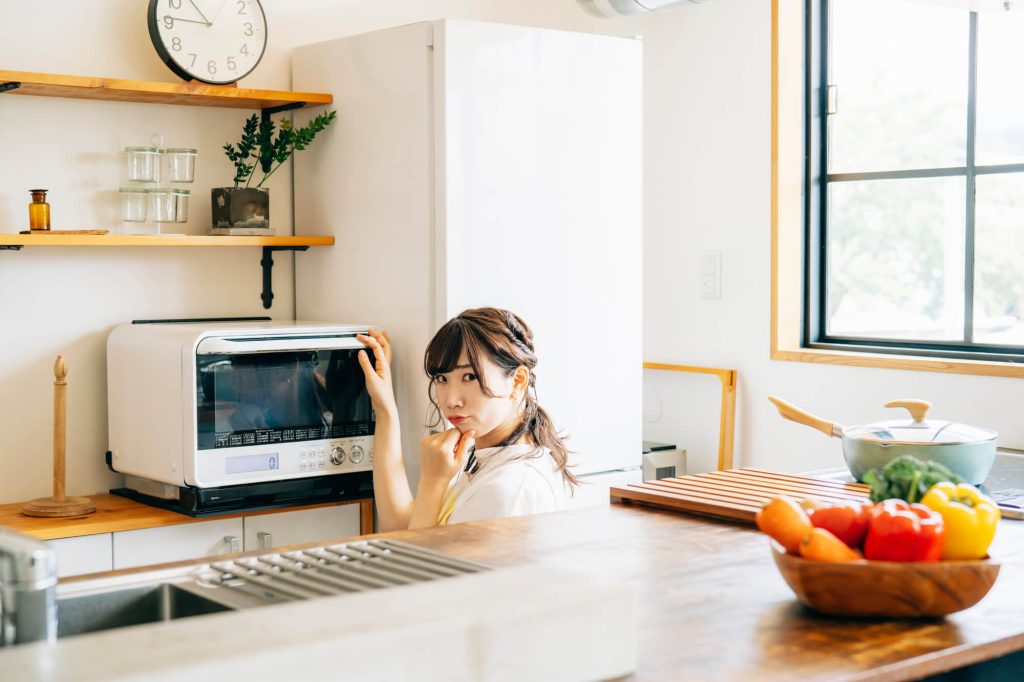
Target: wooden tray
[735,494]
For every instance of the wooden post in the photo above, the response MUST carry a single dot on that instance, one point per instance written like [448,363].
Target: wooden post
[59,505]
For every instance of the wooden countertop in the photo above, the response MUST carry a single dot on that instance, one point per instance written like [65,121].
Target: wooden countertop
[115,513]
[714,607]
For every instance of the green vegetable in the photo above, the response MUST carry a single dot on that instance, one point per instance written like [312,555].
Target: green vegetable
[907,478]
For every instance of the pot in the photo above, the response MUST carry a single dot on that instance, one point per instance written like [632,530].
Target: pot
[966,450]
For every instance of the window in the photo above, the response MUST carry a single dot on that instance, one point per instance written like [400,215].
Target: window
[914,201]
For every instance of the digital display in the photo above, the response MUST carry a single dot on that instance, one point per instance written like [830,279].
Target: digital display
[244,464]
[248,399]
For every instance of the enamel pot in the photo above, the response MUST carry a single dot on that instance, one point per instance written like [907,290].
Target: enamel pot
[966,450]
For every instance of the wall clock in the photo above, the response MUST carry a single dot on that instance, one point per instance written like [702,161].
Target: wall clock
[213,41]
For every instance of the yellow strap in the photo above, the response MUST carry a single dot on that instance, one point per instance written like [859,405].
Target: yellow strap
[447,507]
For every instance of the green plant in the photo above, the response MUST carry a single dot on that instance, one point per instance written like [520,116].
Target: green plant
[259,148]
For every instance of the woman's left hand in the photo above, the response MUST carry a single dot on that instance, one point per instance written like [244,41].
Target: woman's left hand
[442,455]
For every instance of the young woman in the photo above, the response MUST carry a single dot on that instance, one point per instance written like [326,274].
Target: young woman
[502,456]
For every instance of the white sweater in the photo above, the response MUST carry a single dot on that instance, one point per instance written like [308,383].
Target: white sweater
[507,481]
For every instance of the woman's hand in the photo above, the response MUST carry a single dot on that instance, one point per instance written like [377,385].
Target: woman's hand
[378,374]
[442,455]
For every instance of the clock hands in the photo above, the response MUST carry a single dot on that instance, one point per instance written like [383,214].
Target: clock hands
[169,21]
[200,12]
[217,13]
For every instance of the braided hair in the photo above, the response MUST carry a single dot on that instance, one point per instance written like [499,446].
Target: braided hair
[505,339]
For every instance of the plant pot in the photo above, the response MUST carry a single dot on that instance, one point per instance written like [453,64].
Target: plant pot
[240,207]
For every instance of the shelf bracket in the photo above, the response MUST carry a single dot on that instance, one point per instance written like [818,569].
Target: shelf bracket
[265,115]
[268,263]
[10,85]
[11,247]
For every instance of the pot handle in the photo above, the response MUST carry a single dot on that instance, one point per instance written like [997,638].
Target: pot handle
[918,408]
[795,414]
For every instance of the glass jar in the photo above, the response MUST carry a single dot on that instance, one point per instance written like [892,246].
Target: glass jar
[143,163]
[180,199]
[181,164]
[161,205]
[38,211]
[133,204]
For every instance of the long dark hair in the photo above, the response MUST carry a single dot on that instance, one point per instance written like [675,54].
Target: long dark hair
[505,339]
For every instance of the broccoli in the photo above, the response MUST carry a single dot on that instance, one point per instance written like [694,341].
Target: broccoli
[907,478]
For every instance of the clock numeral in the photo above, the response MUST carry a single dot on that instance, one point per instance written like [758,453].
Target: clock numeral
[241,7]
[248,29]
[176,44]
[174,4]
[211,66]
[169,21]
[231,63]
[244,50]
[193,62]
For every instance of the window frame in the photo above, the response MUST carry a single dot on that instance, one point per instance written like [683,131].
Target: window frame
[792,253]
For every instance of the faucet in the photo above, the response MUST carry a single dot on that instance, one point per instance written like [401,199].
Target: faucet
[28,590]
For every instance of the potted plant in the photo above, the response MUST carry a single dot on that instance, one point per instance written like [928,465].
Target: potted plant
[245,208]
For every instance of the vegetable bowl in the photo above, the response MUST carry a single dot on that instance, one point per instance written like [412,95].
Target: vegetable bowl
[891,589]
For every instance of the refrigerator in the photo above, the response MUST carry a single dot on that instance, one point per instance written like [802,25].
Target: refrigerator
[475,164]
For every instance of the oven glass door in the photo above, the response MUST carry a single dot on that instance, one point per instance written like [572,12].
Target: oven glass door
[280,397]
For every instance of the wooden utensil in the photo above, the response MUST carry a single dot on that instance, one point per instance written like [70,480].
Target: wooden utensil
[889,589]
[59,505]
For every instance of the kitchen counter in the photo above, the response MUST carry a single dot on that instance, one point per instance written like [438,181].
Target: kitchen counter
[711,606]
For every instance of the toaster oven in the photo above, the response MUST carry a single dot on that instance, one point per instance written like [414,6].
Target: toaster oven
[239,414]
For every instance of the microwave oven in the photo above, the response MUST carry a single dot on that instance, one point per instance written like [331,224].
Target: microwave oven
[221,414]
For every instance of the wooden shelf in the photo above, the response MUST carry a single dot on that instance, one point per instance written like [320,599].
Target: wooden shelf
[189,94]
[18,240]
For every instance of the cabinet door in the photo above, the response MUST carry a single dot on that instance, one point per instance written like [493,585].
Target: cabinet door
[174,543]
[85,554]
[326,524]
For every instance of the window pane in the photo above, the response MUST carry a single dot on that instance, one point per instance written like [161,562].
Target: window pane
[1000,95]
[896,259]
[901,70]
[999,260]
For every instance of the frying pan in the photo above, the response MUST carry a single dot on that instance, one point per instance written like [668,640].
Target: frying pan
[967,450]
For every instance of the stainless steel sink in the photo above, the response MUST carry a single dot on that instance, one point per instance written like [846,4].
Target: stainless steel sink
[78,615]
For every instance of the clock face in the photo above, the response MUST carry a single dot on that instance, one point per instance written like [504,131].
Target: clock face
[213,41]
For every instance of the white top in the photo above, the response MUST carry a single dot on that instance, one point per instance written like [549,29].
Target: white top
[508,481]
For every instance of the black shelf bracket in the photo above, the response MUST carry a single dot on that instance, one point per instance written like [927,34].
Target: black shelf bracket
[268,263]
[10,85]
[265,115]
[11,247]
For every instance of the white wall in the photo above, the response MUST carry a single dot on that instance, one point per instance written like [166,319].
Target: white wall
[707,169]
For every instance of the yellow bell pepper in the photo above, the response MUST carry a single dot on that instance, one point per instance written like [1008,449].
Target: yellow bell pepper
[969,516]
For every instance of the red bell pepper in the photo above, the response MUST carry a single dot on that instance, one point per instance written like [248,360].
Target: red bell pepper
[900,531]
[848,521]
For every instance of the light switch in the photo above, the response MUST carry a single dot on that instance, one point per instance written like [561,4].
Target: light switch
[711,274]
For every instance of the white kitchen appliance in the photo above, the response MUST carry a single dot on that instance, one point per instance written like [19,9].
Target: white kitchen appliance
[473,165]
[216,416]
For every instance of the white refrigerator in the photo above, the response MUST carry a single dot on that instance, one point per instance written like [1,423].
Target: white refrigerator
[476,164]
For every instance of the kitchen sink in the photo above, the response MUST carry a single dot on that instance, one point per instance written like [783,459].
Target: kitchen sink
[77,615]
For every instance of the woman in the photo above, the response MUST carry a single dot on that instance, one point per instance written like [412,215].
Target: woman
[502,456]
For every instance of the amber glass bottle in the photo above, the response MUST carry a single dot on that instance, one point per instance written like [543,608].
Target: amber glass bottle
[38,211]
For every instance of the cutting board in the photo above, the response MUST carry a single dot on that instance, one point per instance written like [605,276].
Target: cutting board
[735,494]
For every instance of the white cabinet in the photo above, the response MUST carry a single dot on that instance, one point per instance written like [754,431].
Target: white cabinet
[175,543]
[268,531]
[85,554]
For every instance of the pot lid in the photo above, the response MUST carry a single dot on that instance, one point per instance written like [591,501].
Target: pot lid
[918,430]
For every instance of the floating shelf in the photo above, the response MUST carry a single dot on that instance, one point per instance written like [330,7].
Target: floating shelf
[18,240]
[15,242]
[151,92]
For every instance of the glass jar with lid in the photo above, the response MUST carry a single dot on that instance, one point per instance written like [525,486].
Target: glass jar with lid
[161,205]
[181,164]
[143,163]
[133,203]
[180,198]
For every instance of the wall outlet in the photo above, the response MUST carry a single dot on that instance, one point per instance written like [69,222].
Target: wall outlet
[711,274]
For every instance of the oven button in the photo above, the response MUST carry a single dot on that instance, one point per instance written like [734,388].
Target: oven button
[337,455]
[356,455]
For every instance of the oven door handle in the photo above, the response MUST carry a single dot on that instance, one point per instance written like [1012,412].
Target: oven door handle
[228,346]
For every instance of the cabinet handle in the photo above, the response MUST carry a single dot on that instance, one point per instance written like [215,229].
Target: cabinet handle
[233,542]
[265,540]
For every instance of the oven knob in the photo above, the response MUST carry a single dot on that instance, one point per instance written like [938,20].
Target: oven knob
[337,455]
[356,455]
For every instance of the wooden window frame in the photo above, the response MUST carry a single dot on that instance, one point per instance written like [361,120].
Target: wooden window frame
[788,116]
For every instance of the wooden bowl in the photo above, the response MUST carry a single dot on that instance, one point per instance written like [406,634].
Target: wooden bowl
[891,589]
